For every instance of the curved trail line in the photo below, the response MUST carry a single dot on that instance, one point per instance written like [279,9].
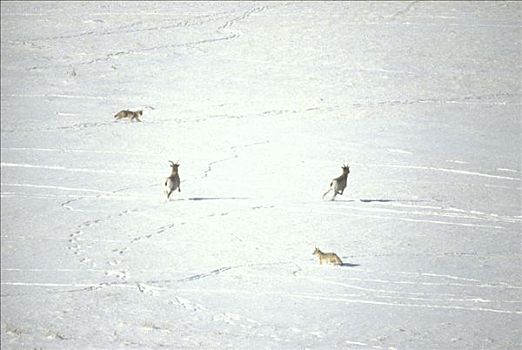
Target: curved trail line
[107,57]
[84,170]
[454,171]
[62,188]
[131,28]
[444,213]
[437,222]
[74,151]
[233,156]
[204,275]
[346,300]
[74,238]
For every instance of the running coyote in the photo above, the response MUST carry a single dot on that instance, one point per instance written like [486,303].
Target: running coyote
[129,115]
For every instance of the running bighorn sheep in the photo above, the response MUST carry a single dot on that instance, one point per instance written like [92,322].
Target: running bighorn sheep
[172,182]
[339,183]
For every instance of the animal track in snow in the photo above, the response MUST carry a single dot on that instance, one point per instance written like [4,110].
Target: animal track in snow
[233,156]
[187,304]
[204,275]
[76,247]
[119,274]
[147,289]
[217,316]
[257,207]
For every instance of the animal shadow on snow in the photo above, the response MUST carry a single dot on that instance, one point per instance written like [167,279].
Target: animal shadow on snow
[368,200]
[394,200]
[214,198]
[348,264]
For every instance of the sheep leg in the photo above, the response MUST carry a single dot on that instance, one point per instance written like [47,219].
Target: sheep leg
[324,195]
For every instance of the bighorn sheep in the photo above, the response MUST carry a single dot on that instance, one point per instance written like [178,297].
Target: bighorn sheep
[339,183]
[172,182]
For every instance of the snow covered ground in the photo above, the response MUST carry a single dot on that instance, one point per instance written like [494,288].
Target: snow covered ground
[261,103]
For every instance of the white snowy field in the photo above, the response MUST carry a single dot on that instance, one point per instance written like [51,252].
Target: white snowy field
[261,103]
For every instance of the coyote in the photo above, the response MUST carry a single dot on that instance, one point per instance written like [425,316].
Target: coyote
[329,258]
[129,114]
[339,183]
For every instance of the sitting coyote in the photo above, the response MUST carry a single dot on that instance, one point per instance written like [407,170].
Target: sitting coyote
[328,258]
[129,114]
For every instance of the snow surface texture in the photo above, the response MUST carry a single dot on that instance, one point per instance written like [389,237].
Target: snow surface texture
[261,103]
